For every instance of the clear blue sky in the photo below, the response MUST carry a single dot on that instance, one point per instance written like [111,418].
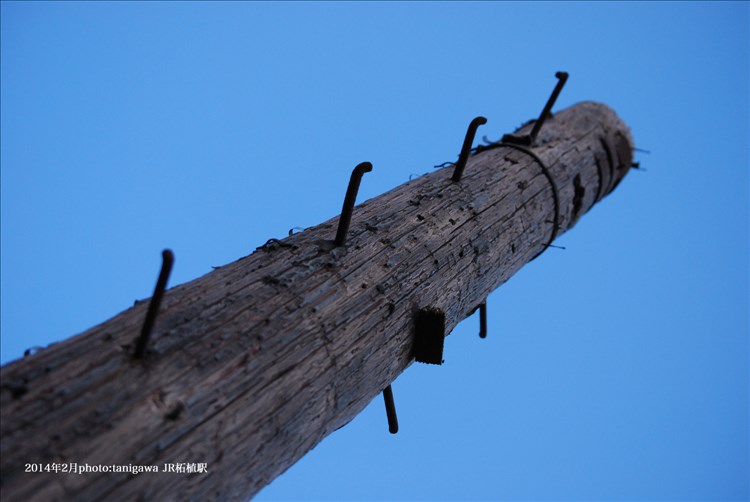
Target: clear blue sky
[616,369]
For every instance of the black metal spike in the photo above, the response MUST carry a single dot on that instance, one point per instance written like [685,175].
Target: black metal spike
[390,410]
[483,319]
[153,307]
[562,77]
[530,139]
[466,148]
[351,197]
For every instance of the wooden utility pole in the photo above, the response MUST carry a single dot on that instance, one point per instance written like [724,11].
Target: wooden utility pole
[253,364]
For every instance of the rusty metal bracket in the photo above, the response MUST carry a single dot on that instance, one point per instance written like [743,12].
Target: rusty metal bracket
[429,335]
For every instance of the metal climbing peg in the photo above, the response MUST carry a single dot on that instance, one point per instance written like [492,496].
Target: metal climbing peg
[483,319]
[466,148]
[530,139]
[153,307]
[351,197]
[562,77]
[390,410]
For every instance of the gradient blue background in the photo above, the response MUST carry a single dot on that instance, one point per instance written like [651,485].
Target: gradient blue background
[616,369]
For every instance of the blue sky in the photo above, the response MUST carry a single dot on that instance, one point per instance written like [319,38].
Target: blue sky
[615,369]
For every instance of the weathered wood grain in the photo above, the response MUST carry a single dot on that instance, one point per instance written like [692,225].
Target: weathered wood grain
[253,364]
